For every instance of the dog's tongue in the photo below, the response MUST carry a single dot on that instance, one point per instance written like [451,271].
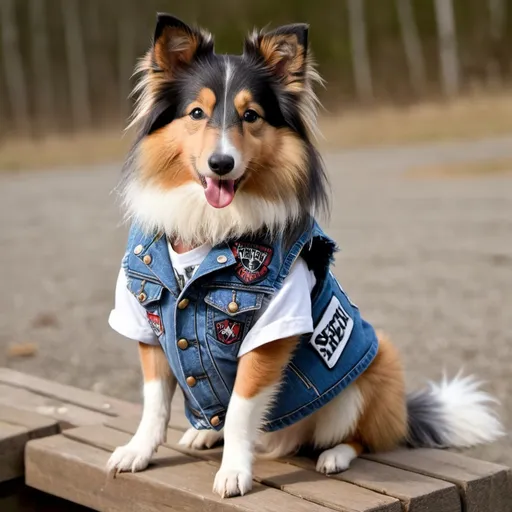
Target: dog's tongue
[219,193]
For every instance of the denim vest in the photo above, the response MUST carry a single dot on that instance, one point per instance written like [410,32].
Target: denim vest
[202,327]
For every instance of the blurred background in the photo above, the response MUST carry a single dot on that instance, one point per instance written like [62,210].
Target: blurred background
[417,125]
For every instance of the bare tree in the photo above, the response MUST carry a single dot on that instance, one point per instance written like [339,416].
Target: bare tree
[13,66]
[448,54]
[412,45]
[77,65]
[41,66]
[360,57]
[497,17]
[126,57]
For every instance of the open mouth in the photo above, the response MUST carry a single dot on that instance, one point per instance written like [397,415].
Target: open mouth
[219,192]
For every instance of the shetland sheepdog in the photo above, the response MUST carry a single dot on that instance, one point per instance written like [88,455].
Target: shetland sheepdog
[224,150]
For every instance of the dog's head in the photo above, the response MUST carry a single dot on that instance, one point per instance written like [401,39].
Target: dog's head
[224,144]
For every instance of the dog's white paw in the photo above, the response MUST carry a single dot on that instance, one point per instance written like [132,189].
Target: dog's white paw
[336,459]
[200,439]
[232,482]
[134,456]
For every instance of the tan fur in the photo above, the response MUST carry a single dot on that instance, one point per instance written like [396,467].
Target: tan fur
[153,362]
[244,101]
[263,366]
[383,423]
[286,56]
[277,167]
[175,47]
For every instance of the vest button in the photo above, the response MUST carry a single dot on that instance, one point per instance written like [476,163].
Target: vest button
[182,344]
[191,381]
[147,259]
[142,297]
[215,421]
[183,303]
[222,259]
[138,249]
[233,307]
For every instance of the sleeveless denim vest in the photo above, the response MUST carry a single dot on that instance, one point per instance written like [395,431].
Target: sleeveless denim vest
[202,327]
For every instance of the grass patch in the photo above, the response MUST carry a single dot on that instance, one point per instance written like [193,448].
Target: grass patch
[470,117]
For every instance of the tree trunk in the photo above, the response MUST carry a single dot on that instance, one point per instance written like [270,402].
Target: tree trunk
[448,57]
[41,67]
[360,57]
[77,65]
[412,46]
[126,59]
[13,66]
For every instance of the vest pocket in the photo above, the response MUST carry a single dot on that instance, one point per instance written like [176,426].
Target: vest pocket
[230,314]
[145,289]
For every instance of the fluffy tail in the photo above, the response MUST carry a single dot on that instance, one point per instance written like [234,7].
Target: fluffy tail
[452,414]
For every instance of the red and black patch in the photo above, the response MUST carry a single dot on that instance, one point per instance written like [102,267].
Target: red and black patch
[228,331]
[253,261]
[156,323]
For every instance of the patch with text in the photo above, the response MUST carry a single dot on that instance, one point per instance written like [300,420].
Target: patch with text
[253,261]
[156,323]
[332,333]
[228,331]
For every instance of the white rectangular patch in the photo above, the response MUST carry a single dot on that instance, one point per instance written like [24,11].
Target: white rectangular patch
[332,333]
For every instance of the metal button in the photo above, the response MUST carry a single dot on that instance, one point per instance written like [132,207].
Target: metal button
[142,297]
[183,303]
[233,307]
[222,259]
[215,421]
[191,381]
[147,259]
[138,249]
[182,343]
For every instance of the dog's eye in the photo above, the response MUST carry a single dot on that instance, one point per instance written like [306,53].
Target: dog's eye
[250,116]
[197,114]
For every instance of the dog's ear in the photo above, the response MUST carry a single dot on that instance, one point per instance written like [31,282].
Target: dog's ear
[284,52]
[176,44]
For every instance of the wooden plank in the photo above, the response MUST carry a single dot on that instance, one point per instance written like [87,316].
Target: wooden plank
[483,486]
[302,483]
[27,419]
[418,493]
[16,429]
[76,471]
[68,415]
[69,394]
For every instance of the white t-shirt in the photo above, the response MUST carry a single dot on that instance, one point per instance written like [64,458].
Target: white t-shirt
[288,313]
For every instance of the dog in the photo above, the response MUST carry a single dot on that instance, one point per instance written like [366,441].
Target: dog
[226,280]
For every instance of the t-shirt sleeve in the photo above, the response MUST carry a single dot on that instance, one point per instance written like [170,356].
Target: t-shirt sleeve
[288,313]
[128,317]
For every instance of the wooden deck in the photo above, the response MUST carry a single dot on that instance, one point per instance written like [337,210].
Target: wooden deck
[71,465]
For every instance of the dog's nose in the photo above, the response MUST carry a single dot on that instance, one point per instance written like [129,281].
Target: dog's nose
[221,163]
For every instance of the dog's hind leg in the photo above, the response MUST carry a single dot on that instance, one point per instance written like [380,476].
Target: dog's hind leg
[370,414]
[159,387]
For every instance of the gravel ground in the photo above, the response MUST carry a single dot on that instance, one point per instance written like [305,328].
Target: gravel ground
[428,260]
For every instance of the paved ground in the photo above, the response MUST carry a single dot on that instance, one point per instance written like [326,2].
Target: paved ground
[429,260]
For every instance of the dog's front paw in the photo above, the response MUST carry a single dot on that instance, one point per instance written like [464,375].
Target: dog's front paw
[134,456]
[232,482]
[200,439]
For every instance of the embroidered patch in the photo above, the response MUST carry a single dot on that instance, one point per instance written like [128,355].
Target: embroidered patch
[253,261]
[332,333]
[228,331]
[156,323]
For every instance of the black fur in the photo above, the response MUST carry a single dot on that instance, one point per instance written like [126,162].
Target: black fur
[426,424]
